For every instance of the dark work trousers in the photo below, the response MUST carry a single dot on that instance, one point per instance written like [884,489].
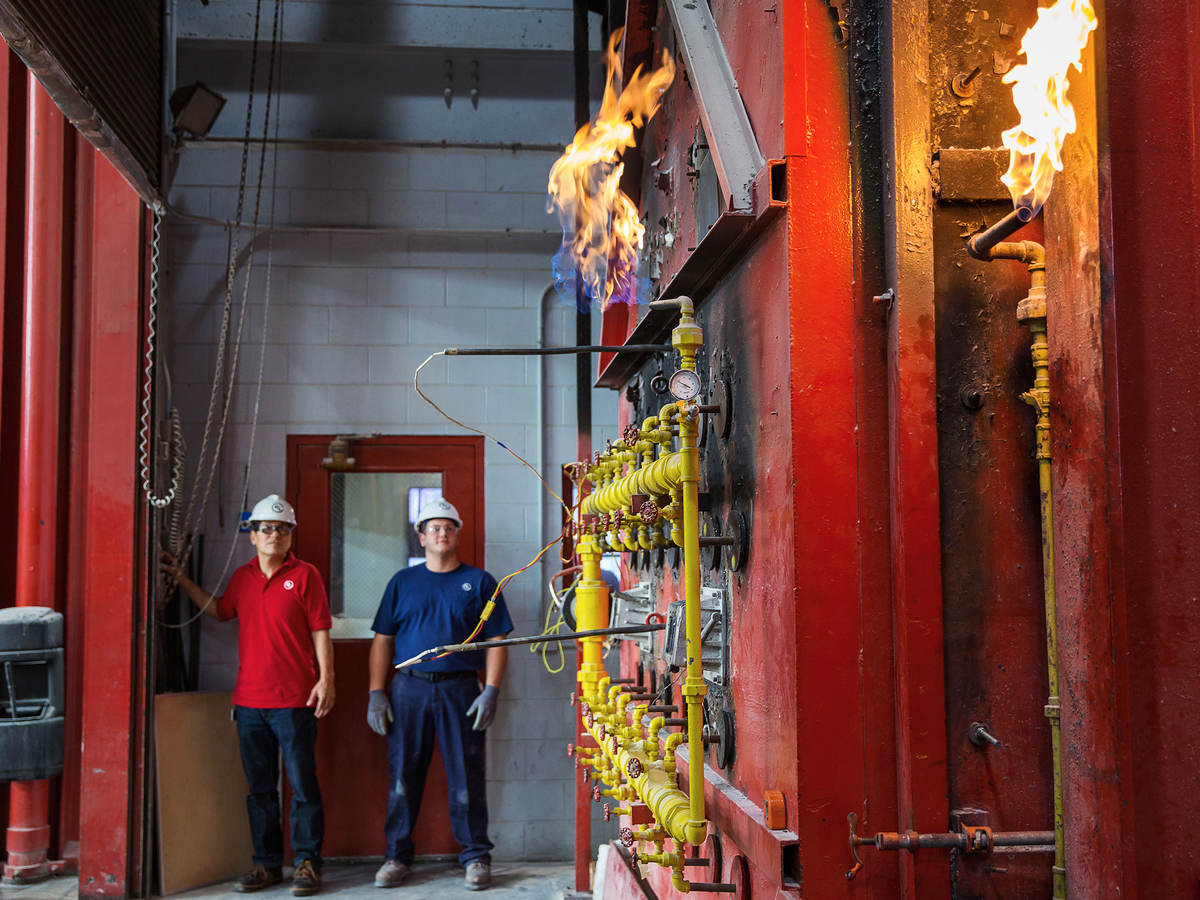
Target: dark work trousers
[263,733]
[424,710]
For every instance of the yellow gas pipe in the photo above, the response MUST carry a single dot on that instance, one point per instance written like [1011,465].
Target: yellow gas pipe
[659,472]
[1032,311]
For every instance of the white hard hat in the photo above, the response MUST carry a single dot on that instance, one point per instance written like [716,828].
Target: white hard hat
[273,508]
[438,508]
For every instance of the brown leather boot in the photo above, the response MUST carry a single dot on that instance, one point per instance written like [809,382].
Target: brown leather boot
[306,879]
[258,878]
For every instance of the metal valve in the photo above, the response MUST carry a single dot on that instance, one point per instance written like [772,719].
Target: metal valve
[596,794]
[631,433]
[649,512]
[601,731]
[607,812]
[591,719]
[570,749]
[634,768]
[626,836]
[574,699]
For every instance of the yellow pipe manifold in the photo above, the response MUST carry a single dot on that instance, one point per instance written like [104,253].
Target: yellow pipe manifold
[647,465]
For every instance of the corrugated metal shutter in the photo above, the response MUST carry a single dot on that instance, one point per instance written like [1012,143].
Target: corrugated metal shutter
[101,61]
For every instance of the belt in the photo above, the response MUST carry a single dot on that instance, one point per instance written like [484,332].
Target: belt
[438,676]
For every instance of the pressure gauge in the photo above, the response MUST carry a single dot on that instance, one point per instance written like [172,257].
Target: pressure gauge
[684,385]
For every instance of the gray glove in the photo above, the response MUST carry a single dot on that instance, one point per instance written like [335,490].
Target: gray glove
[484,707]
[379,712]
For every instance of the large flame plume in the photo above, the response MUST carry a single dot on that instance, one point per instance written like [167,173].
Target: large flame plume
[1051,48]
[602,231]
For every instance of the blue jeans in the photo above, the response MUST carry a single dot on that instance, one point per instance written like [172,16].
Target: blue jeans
[262,734]
[424,710]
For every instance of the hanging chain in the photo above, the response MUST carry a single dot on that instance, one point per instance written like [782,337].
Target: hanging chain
[158,502]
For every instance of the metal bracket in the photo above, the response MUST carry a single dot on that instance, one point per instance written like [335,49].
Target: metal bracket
[731,139]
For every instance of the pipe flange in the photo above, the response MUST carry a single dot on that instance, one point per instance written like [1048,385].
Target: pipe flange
[626,836]
[634,768]
[735,527]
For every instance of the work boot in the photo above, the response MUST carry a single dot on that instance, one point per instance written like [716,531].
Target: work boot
[306,879]
[479,875]
[391,873]
[258,878]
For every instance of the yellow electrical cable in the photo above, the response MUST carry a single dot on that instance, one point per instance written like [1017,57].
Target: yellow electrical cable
[571,513]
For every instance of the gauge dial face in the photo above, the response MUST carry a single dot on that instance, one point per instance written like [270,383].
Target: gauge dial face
[685,385]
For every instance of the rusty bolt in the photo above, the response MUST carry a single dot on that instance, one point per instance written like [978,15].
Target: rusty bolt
[607,812]
[626,836]
[961,84]
[634,768]
[649,512]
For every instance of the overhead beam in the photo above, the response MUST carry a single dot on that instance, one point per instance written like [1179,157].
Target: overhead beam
[352,26]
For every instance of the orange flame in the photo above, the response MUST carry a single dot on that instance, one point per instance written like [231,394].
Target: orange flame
[1051,47]
[602,231]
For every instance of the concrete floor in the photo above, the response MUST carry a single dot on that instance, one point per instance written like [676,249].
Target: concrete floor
[440,880]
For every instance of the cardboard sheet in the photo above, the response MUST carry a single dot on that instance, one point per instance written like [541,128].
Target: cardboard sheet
[203,833]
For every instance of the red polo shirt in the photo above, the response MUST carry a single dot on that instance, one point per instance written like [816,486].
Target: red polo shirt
[277,665]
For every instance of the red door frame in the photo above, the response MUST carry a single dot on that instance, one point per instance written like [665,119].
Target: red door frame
[356,828]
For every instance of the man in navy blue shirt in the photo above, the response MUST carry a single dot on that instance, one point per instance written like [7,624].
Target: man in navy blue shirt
[426,606]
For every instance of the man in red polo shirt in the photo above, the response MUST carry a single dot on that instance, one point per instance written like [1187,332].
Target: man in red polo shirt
[284,684]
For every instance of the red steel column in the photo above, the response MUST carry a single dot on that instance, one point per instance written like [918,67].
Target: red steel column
[28,836]
[112,529]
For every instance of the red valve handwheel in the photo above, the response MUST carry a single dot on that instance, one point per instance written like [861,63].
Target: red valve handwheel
[626,836]
[634,768]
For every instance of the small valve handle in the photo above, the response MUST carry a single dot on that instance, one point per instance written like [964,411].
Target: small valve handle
[596,794]
[591,719]
[618,518]
[626,836]
[634,768]
[607,812]
[601,731]
[574,699]
[615,744]
[570,749]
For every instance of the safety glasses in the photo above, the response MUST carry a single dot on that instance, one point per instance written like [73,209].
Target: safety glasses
[272,528]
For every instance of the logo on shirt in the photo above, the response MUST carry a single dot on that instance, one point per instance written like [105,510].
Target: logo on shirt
[289,584]
[466,585]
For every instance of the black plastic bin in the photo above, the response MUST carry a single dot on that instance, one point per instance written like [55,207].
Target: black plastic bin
[31,693]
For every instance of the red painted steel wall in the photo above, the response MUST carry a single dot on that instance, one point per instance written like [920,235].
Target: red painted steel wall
[1152,318]
[89,277]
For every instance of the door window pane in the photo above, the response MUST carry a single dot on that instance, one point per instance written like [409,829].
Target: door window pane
[372,517]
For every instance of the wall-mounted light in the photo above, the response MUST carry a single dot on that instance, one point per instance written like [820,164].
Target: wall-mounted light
[195,107]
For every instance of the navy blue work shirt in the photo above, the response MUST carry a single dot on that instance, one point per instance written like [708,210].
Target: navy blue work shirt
[424,609]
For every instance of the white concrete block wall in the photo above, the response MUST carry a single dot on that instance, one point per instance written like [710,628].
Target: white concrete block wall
[349,318]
